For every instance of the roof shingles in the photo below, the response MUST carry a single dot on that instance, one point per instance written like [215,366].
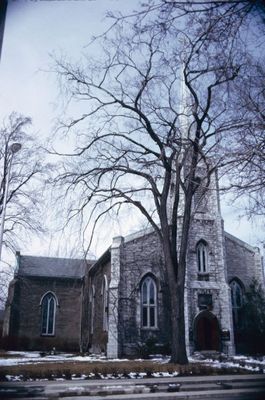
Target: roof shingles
[52,267]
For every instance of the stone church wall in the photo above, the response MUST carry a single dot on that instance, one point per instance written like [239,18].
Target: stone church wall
[68,313]
[139,257]
[205,229]
[243,261]
[98,335]
[212,285]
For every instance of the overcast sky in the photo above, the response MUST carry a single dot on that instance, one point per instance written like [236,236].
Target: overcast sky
[36,29]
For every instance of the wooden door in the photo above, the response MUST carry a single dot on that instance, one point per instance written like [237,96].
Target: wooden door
[207,334]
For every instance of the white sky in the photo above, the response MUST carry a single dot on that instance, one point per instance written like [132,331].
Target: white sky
[36,29]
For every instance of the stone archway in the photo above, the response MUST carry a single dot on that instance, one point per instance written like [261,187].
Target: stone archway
[207,332]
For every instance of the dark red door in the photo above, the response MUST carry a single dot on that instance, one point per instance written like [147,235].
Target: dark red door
[207,332]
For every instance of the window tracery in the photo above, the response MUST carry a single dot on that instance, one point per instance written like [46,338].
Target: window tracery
[202,257]
[48,311]
[148,303]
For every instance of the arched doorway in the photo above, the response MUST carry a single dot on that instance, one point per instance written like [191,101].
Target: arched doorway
[207,332]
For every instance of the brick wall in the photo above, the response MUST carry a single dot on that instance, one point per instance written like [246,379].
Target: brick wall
[27,309]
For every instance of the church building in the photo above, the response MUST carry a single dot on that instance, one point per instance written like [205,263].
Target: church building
[119,303]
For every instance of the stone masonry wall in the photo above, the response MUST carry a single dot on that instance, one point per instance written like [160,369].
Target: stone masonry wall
[211,231]
[98,336]
[243,261]
[114,345]
[139,257]
[207,225]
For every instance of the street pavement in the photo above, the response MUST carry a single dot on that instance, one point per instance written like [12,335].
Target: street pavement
[243,387]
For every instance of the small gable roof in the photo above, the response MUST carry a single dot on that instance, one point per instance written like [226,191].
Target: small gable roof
[52,267]
[241,243]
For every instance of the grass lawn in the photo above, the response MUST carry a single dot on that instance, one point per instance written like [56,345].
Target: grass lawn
[69,369]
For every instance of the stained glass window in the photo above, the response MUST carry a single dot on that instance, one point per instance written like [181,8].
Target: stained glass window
[149,303]
[48,307]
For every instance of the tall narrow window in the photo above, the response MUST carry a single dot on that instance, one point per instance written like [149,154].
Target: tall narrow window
[105,295]
[202,257]
[149,303]
[48,311]
[92,309]
[237,301]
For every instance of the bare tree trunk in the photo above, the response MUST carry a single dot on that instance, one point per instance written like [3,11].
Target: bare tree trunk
[178,265]
[178,350]
[176,289]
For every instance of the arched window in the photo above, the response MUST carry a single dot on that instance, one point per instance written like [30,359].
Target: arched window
[236,294]
[236,300]
[48,311]
[202,257]
[105,295]
[149,303]
[92,309]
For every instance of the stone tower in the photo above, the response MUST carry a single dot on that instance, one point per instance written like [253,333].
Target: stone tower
[208,298]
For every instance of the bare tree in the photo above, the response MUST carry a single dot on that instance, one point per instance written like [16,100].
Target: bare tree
[6,275]
[246,167]
[166,11]
[246,171]
[25,181]
[145,142]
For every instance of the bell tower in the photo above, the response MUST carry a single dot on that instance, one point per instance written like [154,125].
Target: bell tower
[208,298]
[208,313]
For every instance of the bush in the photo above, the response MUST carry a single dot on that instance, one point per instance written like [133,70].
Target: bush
[151,347]
[252,329]
[96,370]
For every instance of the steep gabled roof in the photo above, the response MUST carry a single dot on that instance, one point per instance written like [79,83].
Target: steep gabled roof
[104,258]
[52,267]
[241,243]
[138,234]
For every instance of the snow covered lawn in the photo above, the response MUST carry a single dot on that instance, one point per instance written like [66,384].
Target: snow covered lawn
[35,365]
[35,357]
[242,362]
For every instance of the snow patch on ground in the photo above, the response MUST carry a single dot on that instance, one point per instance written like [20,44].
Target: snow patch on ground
[33,357]
[19,358]
[241,362]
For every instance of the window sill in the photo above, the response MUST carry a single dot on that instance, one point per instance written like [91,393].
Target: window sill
[203,276]
[47,335]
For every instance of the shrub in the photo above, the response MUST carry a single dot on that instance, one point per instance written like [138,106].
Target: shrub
[150,347]
[252,330]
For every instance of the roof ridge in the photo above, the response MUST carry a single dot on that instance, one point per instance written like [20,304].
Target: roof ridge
[241,242]
[57,258]
[55,267]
